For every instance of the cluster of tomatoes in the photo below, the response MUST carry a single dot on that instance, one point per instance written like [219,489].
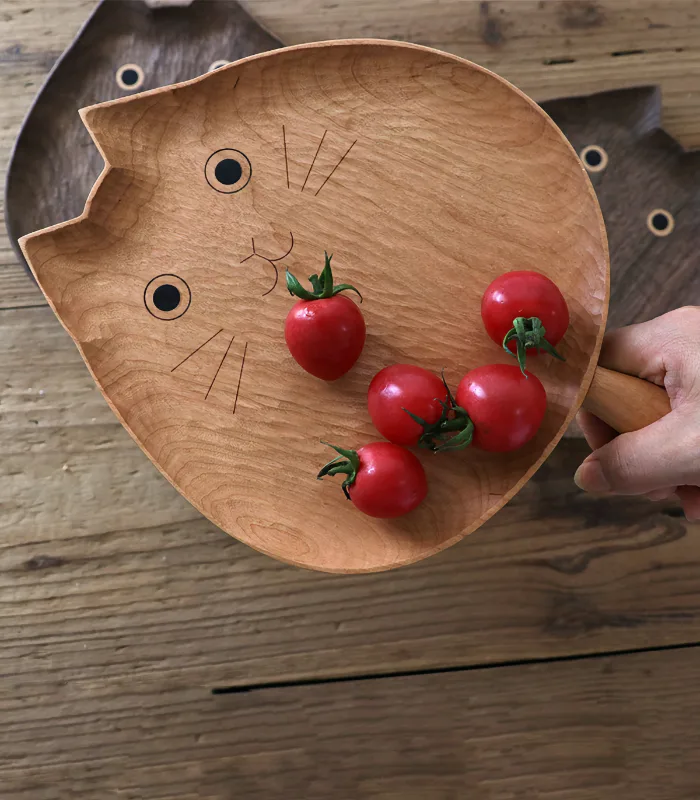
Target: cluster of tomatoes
[497,407]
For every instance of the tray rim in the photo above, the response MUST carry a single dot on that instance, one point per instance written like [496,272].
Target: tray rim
[594,356]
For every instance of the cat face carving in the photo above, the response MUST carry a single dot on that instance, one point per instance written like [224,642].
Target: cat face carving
[424,175]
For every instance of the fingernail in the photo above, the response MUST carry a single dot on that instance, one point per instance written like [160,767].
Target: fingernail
[589,477]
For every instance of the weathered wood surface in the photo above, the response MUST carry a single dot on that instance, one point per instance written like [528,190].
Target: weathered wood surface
[107,572]
[603,729]
[548,48]
[167,46]
[646,170]
[120,608]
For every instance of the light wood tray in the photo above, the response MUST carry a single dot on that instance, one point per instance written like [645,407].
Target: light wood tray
[425,175]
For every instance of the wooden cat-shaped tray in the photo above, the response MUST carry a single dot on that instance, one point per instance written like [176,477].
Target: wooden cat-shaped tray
[426,177]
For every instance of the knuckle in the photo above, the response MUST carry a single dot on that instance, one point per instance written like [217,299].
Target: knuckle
[685,320]
[679,350]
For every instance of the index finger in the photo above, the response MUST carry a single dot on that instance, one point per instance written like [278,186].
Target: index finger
[637,350]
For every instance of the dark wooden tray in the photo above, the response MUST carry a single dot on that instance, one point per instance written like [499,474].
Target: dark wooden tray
[54,163]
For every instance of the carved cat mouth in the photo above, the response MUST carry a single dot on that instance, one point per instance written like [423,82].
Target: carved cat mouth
[271,261]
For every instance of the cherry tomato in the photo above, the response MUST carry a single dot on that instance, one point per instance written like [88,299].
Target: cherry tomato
[325,337]
[506,407]
[382,479]
[536,302]
[324,331]
[403,388]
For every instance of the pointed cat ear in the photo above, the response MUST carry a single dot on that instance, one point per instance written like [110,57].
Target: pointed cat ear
[127,131]
[61,259]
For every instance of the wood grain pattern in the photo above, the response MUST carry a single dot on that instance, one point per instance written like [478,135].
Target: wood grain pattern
[55,164]
[425,175]
[626,403]
[120,607]
[117,600]
[645,169]
[108,577]
[587,730]
[548,48]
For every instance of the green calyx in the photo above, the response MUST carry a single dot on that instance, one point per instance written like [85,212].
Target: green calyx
[454,429]
[322,285]
[347,462]
[528,332]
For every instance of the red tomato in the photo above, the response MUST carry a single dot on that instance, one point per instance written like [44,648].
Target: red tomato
[325,337]
[325,332]
[529,296]
[506,407]
[399,387]
[383,480]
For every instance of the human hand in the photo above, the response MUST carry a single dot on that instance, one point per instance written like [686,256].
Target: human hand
[664,458]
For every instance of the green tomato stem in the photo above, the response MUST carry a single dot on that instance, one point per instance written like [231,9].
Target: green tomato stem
[347,462]
[453,420]
[528,332]
[322,285]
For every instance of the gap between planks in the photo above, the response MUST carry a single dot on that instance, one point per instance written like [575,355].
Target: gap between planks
[525,662]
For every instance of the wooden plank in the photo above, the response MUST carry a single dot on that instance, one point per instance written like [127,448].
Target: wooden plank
[549,49]
[106,572]
[120,609]
[603,729]
[17,288]
[524,40]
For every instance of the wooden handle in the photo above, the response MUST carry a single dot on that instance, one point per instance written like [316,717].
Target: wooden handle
[626,403]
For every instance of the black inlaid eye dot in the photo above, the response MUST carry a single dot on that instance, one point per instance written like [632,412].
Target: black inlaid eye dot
[594,158]
[167,297]
[660,222]
[220,62]
[130,77]
[228,170]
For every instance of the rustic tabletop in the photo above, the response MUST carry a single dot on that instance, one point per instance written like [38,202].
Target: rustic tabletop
[145,654]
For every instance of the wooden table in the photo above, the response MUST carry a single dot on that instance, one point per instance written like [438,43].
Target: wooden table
[147,655]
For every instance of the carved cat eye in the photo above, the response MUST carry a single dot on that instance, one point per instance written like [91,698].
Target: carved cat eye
[228,171]
[167,297]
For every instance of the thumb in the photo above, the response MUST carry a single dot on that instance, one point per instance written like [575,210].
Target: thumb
[652,458]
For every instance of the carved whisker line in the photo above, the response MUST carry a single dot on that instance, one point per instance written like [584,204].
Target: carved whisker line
[318,150]
[240,376]
[219,367]
[286,160]
[335,167]
[196,351]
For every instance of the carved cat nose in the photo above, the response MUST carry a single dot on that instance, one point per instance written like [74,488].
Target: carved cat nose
[267,256]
